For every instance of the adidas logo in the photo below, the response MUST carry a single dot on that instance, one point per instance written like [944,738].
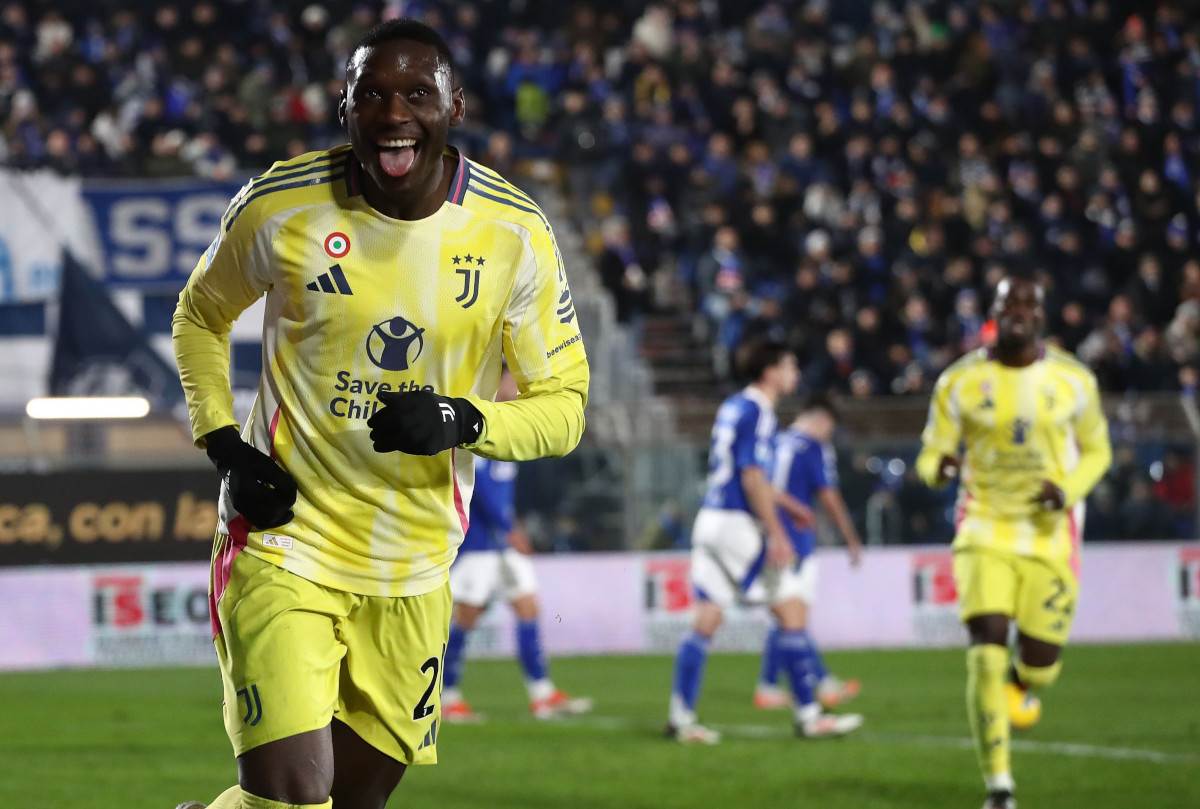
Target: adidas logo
[430,736]
[333,281]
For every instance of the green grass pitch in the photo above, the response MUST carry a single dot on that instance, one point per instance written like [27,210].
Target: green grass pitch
[1120,730]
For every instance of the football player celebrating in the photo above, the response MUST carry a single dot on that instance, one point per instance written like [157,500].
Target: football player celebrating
[1036,443]
[397,273]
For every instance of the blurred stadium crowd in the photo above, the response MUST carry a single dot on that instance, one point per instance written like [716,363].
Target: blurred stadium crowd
[847,175]
[853,176]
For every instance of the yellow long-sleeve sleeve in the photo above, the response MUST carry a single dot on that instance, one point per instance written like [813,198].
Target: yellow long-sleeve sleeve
[942,434]
[1095,451]
[547,421]
[219,290]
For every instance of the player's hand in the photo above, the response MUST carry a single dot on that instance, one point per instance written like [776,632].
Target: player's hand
[1050,497]
[423,423]
[780,552]
[948,469]
[518,540]
[855,551]
[261,490]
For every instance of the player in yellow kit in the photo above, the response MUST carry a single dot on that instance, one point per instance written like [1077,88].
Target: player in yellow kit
[1036,443]
[396,274]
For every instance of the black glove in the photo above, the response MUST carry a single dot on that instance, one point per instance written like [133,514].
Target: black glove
[261,490]
[423,423]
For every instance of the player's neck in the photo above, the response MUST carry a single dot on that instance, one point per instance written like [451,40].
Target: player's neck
[1021,355]
[419,205]
[770,395]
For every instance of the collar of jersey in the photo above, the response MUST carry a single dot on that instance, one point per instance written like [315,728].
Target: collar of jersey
[758,396]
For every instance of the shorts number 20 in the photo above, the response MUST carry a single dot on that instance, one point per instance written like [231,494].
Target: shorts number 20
[423,708]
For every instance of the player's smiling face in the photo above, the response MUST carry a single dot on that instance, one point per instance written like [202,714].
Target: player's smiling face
[1019,312]
[398,107]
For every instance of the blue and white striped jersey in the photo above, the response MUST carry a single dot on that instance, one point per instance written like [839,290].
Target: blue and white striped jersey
[802,467]
[741,437]
[493,509]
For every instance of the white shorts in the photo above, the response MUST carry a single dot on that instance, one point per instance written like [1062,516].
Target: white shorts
[479,576]
[729,562]
[799,581]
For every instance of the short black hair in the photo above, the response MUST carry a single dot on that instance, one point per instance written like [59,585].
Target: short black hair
[756,355]
[819,401]
[410,30]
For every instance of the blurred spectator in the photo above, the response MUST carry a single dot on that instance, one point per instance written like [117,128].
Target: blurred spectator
[832,370]
[1151,294]
[1177,488]
[1141,516]
[1069,325]
[623,276]
[721,287]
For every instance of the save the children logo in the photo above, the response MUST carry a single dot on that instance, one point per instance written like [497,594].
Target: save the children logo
[395,344]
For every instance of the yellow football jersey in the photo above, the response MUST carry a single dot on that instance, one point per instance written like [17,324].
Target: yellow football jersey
[358,303]
[1020,426]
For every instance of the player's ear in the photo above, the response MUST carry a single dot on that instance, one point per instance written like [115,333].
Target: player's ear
[342,108]
[458,107]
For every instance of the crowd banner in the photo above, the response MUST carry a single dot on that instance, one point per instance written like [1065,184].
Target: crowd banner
[115,516]
[144,235]
[152,233]
[157,613]
[44,214]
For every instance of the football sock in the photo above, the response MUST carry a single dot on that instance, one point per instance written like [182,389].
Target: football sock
[540,689]
[987,710]
[1037,676]
[768,674]
[236,798]
[794,658]
[689,669]
[529,648]
[454,656]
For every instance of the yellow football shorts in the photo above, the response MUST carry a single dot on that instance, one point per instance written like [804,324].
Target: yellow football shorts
[295,654]
[1039,593]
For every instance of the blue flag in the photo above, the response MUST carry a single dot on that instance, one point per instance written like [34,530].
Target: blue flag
[98,352]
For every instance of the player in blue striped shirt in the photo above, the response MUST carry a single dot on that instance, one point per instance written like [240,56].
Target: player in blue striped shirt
[738,541]
[494,560]
[805,466]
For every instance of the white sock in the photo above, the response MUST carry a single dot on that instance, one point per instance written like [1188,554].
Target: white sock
[1000,782]
[540,689]
[678,714]
[806,713]
[451,696]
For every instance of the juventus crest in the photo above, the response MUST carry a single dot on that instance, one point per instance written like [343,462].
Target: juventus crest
[470,268]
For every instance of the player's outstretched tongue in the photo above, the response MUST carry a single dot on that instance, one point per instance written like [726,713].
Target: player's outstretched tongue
[397,162]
